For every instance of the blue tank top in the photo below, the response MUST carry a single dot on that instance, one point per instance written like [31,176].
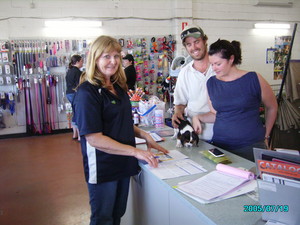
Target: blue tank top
[237,104]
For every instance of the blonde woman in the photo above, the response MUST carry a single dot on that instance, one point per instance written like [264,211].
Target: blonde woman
[103,113]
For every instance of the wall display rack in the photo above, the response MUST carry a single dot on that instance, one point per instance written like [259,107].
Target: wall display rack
[33,86]
[7,88]
[153,56]
[32,79]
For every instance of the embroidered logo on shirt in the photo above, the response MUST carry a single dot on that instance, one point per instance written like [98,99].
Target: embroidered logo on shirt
[113,102]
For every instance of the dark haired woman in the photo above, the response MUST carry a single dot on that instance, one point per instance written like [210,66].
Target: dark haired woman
[72,80]
[235,98]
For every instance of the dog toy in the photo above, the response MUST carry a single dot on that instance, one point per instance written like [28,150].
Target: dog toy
[135,96]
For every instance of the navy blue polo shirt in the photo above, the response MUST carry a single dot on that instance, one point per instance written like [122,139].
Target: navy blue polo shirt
[98,110]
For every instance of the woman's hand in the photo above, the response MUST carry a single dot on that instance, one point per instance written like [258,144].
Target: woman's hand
[197,124]
[147,156]
[110,146]
[151,143]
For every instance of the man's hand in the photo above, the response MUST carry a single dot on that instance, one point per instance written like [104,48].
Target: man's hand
[175,119]
[178,114]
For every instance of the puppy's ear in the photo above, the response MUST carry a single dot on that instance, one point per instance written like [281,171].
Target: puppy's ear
[195,137]
[185,136]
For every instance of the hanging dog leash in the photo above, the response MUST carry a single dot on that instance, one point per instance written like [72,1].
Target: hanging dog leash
[32,124]
[42,103]
[37,104]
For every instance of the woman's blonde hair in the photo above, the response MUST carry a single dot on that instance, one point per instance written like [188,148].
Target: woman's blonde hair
[92,74]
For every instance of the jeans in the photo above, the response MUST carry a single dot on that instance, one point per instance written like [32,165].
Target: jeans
[247,152]
[70,98]
[108,201]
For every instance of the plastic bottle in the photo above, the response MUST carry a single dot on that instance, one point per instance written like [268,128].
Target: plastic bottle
[136,119]
[159,118]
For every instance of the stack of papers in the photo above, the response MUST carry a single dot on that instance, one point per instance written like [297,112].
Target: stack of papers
[175,164]
[164,132]
[223,183]
[155,136]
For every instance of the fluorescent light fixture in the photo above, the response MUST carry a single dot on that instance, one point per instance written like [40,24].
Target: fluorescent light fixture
[72,23]
[71,32]
[270,32]
[272,26]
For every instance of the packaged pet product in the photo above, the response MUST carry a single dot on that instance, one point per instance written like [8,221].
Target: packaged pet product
[159,118]
[147,111]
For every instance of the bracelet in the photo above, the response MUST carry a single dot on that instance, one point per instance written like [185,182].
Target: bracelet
[267,137]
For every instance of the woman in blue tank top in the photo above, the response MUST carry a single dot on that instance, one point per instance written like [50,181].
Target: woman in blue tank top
[235,97]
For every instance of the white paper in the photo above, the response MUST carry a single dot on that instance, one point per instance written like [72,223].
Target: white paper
[248,187]
[281,180]
[172,169]
[175,155]
[175,164]
[213,185]
[155,136]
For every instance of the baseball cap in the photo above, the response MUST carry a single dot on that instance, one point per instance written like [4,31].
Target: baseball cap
[129,57]
[192,31]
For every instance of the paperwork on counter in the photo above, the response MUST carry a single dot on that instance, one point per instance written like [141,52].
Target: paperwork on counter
[249,187]
[175,164]
[155,136]
[165,132]
[223,183]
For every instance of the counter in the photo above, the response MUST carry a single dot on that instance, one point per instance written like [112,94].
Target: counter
[153,201]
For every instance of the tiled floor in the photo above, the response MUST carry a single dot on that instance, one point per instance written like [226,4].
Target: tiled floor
[42,181]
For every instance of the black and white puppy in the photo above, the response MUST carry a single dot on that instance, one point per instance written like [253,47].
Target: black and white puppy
[185,135]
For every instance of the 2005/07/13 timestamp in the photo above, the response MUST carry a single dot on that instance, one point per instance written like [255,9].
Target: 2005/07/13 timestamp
[266,208]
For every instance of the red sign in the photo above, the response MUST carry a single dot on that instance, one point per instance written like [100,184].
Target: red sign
[183,25]
[284,169]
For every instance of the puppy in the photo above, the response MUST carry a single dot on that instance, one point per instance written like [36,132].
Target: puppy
[185,135]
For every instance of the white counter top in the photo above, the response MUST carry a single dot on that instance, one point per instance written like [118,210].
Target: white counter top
[230,211]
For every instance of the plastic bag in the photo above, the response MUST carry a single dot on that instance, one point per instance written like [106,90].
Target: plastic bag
[147,110]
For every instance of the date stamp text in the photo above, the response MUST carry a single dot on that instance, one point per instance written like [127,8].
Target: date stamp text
[266,208]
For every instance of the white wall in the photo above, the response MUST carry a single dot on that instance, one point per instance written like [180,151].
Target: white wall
[228,19]
[234,20]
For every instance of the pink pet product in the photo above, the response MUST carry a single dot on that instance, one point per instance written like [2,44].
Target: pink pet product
[159,118]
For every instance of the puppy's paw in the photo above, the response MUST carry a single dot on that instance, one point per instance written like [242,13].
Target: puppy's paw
[175,134]
[178,144]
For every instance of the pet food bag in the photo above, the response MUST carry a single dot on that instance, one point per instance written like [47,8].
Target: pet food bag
[147,111]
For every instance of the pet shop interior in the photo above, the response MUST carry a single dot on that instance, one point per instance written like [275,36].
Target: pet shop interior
[41,169]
